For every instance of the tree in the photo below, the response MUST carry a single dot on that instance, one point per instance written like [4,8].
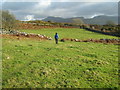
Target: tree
[111,23]
[0,19]
[9,21]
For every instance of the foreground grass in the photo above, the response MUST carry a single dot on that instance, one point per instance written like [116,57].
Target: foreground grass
[43,64]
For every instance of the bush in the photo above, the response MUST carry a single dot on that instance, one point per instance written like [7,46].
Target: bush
[8,21]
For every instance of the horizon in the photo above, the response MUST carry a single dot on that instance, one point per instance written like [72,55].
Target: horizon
[70,17]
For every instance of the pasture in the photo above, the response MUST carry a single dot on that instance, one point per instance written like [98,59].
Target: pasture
[70,33]
[29,63]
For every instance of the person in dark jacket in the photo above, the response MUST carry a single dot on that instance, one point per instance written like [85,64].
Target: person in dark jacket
[56,38]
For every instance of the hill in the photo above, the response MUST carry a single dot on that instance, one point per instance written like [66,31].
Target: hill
[100,20]
[58,19]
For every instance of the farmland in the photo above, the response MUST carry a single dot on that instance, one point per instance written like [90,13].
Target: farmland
[70,33]
[43,64]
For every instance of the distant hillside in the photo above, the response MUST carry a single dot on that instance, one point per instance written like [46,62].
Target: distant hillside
[100,20]
[58,19]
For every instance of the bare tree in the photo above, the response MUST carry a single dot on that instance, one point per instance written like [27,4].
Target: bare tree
[0,19]
[8,21]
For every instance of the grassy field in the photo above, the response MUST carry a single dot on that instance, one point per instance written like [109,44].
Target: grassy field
[70,33]
[43,64]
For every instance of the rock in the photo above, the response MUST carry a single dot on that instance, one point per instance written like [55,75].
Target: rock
[8,57]
[72,39]
[62,40]
[39,35]
[25,34]
[50,38]
[42,36]
[85,41]
[76,40]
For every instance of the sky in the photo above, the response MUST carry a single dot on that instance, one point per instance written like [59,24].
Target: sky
[39,9]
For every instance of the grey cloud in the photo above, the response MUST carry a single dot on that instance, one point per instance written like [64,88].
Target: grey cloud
[99,8]
[18,5]
[86,9]
[63,9]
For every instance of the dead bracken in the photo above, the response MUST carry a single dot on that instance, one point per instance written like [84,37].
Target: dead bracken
[108,41]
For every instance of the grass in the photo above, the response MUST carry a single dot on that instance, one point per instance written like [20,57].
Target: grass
[43,64]
[70,33]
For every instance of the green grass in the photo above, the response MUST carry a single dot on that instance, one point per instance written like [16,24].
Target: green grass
[43,64]
[69,33]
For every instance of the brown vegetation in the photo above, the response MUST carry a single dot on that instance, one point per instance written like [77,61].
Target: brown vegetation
[23,36]
[35,26]
[108,41]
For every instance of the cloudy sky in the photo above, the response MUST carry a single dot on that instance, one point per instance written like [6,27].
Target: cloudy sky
[39,9]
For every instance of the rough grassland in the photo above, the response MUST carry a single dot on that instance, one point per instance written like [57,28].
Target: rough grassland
[43,64]
[70,33]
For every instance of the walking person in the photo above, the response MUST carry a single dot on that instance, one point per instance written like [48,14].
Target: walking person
[56,38]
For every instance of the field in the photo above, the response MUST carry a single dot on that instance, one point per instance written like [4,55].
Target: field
[43,64]
[70,33]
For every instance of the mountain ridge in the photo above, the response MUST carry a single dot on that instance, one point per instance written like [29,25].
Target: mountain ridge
[100,20]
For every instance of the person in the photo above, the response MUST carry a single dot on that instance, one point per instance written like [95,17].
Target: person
[56,38]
